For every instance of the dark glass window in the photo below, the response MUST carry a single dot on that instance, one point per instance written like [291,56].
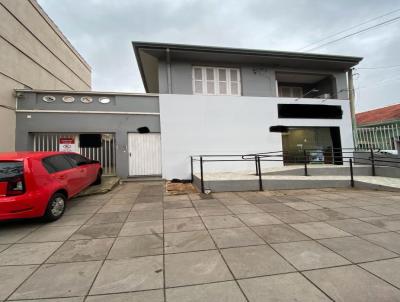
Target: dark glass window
[10,169]
[56,163]
[78,160]
[90,140]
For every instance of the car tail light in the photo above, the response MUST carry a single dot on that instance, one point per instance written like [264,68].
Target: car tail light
[15,186]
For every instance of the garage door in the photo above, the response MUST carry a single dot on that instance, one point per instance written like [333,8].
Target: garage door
[144,154]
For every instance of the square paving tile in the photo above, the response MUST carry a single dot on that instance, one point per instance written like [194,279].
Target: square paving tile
[94,231]
[351,283]
[82,250]
[195,268]
[11,277]
[147,206]
[188,242]
[355,212]
[183,224]
[13,233]
[305,255]
[220,222]
[50,233]
[28,253]
[102,218]
[126,275]
[274,207]
[255,219]
[293,217]
[326,214]
[142,228]
[390,223]
[253,261]
[3,247]
[78,219]
[355,226]
[177,204]
[205,203]
[47,282]
[383,209]
[386,269]
[112,208]
[213,211]
[319,230]
[216,292]
[302,205]
[225,238]
[279,233]
[79,209]
[143,296]
[356,249]
[329,204]
[179,213]
[281,288]
[390,240]
[176,197]
[130,247]
[234,202]
[244,209]
[145,215]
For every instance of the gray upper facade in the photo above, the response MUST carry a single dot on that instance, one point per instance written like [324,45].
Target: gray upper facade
[168,69]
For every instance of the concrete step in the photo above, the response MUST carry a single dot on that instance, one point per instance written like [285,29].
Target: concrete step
[320,170]
[143,179]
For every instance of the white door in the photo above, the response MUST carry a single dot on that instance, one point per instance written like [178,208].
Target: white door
[144,154]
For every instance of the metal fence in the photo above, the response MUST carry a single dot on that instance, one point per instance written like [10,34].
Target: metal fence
[381,137]
[104,154]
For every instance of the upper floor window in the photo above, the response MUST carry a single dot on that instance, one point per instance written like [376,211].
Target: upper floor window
[216,80]
[290,91]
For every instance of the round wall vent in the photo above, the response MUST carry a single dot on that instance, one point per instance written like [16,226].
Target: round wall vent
[49,98]
[86,99]
[68,99]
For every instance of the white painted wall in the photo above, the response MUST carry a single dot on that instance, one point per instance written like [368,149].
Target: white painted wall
[195,124]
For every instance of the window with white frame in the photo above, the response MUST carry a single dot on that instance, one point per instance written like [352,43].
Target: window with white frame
[216,80]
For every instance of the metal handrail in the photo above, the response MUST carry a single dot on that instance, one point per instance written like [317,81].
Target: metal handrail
[257,158]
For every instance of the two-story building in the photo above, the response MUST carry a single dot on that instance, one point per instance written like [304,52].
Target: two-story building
[198,100]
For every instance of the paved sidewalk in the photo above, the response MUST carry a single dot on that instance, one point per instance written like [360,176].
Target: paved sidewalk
[135,244]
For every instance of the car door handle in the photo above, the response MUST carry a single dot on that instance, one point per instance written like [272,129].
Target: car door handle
[61,177]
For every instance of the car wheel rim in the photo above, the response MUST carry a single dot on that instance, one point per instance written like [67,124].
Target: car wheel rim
[57,207]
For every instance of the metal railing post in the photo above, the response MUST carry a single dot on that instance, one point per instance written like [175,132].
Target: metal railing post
[305,163]
[201,175]
[373,163]
[351,174]
[333,155]
[256,162]
[260,184]
[191,169]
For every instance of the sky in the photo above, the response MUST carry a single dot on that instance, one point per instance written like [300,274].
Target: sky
[102,31]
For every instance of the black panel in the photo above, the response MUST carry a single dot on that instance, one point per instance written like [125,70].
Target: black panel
[309,111]
[337,145]
[143,130]
[90,140]
[280,129]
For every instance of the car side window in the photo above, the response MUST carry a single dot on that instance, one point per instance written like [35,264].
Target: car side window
[56,163]
[78,160]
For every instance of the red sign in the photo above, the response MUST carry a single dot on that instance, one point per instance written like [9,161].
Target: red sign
[67,140]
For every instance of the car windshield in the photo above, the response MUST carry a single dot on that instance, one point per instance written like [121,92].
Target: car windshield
[10,169]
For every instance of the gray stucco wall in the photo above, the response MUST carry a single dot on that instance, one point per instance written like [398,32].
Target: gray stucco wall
[257,80]
[118,124]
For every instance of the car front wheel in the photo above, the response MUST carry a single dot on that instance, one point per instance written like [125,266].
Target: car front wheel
[56,207]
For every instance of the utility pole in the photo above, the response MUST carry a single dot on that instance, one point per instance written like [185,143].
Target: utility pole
[352,105]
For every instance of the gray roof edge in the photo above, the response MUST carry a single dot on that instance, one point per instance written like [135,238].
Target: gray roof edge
[73,92]
[245,51]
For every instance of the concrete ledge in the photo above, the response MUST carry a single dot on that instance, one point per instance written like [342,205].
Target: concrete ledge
[107,184]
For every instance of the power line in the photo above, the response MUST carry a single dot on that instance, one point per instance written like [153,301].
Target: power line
[379,67]
[356,33]
[352,27]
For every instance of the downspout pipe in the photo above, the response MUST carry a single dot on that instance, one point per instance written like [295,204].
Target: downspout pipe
[169,82]
[352,105]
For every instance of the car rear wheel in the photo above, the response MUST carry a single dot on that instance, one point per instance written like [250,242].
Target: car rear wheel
[56,207]
[98,179]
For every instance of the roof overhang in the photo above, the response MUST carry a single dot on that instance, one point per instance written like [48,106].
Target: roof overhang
[148,54]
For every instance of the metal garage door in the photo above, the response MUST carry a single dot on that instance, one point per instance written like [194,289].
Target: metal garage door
[105,154]
[144,154]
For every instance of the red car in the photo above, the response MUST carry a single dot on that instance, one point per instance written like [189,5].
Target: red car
[37,184]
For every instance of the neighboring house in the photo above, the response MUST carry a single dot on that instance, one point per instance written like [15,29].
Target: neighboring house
[34,54]
[379,128]
[199,100]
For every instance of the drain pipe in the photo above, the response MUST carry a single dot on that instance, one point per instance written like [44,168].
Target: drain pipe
[169,83]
